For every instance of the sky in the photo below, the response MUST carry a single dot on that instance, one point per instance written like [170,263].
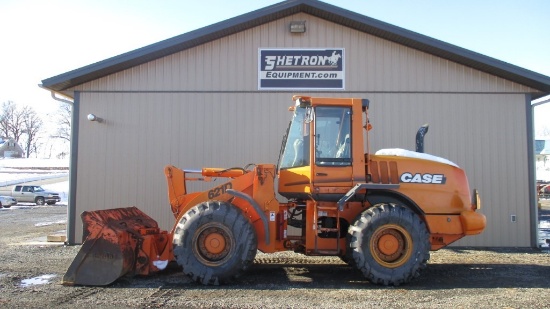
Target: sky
[41,39]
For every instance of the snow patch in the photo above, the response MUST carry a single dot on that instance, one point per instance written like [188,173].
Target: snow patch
[160,264]
[543,170]
[14,171]
[44,279]
[13,178]
[413,154]
[50,223]
[33,163]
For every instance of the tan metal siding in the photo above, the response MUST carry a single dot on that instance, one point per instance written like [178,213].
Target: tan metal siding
[121,159]
[201,107]
[125,155]
[483,134]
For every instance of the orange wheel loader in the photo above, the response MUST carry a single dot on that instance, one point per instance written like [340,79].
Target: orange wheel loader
[381,213]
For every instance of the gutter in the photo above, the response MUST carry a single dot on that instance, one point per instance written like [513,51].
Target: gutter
[540,102]
[56,97]
[535,235]
[61,99]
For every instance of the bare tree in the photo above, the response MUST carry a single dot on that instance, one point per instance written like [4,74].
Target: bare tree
[20,124]
[31,127]
[11,121]
[64,116]
[4,120]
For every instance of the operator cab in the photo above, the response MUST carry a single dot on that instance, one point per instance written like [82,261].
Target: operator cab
[317,152]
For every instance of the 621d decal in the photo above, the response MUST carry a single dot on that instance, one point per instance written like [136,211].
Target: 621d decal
[219,190]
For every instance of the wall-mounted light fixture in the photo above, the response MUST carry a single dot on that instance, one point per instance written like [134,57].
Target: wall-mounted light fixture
[298,26]
[93,117]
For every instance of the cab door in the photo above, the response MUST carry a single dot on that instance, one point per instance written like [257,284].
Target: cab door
[25,194]
[332,164]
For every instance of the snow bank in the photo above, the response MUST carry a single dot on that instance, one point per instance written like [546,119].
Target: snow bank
[543,170]
[10,178]
[34,163]
[15,170]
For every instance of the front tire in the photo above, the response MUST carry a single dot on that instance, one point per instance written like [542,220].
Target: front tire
[39,201]
[389,244]
[214,243]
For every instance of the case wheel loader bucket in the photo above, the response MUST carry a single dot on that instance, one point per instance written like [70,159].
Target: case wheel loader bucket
[118,242]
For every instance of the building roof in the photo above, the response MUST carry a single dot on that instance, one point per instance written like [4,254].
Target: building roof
[283,9]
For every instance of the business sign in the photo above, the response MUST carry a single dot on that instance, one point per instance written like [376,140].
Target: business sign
[281,69]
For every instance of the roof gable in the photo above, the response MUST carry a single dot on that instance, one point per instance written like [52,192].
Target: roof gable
[9,144]
[313,7]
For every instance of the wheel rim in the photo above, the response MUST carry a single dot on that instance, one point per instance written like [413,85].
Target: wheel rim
[213,244]
[391,245]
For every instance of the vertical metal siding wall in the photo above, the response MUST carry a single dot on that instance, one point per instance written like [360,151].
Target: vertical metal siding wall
[122,159]
[484,134]
[200,107]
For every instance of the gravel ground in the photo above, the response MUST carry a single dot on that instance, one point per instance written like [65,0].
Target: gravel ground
[454,278]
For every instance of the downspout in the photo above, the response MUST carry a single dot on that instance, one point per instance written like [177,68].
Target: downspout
[71,208]
[532,182]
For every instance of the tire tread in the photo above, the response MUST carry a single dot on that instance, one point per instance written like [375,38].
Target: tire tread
[379,215]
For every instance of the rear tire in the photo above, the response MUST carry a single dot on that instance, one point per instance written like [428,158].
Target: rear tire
[389,244]
[214,243]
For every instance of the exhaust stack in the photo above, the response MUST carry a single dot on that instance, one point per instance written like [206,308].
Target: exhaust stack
[423,130]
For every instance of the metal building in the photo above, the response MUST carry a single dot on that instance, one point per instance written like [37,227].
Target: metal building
[204,98]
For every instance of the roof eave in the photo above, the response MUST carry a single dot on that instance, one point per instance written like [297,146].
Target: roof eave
[316,8]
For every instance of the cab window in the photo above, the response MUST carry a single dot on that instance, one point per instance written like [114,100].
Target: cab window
[333,136]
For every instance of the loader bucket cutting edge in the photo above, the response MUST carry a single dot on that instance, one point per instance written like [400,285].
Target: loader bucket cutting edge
[111,246]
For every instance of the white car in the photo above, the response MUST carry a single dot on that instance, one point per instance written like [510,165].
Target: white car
[7,201]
